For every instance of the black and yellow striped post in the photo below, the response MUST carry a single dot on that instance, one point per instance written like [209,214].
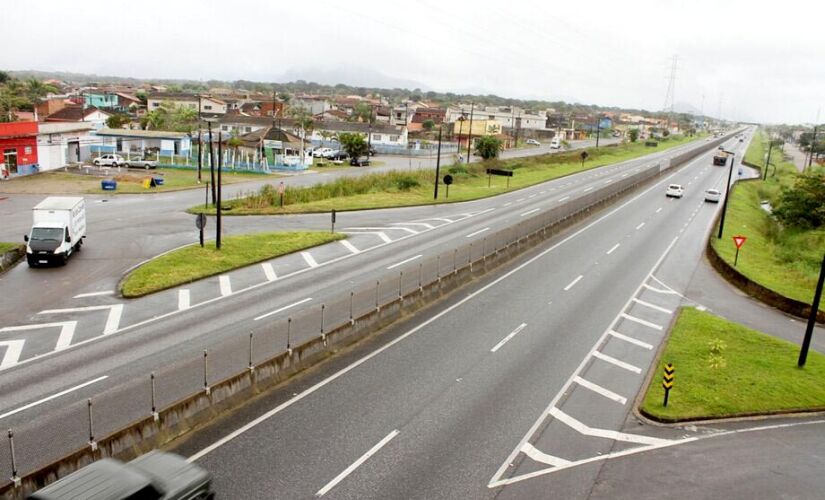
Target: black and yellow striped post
[667,380]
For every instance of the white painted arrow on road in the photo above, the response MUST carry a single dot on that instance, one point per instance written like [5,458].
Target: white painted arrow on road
[112,322]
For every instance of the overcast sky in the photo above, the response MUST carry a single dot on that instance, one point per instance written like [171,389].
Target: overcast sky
[761,61]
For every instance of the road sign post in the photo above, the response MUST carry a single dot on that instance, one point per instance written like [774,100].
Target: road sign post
[584,155]
[281,189]
[333,220]
[738,241]
[200,223]
[448,179]
[667,380]
[809,330]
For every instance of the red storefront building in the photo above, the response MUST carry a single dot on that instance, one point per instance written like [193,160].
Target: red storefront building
[18,146]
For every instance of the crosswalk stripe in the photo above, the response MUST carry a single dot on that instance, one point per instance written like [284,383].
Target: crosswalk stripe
[642,322]
[600,390]
[614,361]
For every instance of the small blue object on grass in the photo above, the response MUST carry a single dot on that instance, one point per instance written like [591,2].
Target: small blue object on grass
[158,181]
[108,184]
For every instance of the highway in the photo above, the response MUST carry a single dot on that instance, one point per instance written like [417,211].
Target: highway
[529,372]
[96,345]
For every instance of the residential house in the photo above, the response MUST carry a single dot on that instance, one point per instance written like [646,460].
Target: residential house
[203,103]
[464,131]
[313,104]
[62,143]
[262,108]
[18,145]
[49,106]
[158,142]
[510,118]
[333,115]
[96,117]
[421,115]
[100,99]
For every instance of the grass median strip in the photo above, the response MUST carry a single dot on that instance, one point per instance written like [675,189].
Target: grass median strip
[415,187]
[724,369]
[192,262]
[8,247]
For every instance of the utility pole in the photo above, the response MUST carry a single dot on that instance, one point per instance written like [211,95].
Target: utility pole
[813,147]
[727,193]
[218,205]
[211,162]
[200,142]
[437,163]
[671,91]
[470,134]
[809,330]
[768,159]
[598,129]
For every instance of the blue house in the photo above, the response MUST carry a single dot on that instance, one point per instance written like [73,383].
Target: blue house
[101,100]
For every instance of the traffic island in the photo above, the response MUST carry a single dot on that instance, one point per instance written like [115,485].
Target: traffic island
[10,254]
[194,262]
[722,369]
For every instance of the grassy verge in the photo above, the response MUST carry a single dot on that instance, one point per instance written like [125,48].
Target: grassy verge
[128,181]
[7,247]
[193,262]
[724,369]
[393,189]
[785,260]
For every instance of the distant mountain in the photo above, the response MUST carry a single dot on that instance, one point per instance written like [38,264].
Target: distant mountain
[684,107]
[352,76]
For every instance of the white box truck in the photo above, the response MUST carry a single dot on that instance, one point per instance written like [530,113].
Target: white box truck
[58,229]
[555,143]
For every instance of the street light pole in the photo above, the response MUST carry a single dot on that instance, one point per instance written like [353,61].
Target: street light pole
[768,160]
[813,148]
[809,331]
[470,134]
[727,192]
[437,163]
[598,129]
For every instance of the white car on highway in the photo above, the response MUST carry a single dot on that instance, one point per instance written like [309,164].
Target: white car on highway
[322,152]
[533,142]
[675,191]
[713,195]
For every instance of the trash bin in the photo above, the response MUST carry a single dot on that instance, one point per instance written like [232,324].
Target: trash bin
[158,181]
[108,184]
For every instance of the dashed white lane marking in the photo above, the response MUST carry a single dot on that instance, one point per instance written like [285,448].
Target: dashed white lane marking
[225,284]
[573,283]
[269,271]
[652,306]
[309,259]
[542,192]
[604,433]
[520,199]
[93,294]
[642,322]
[508,204]
[565,198]
[530,212]
[600,390]
[631,340]
[53,396]
[282,309]
[404,262]
[13,350]
[349,246]
[346,472]
[659,290]
[112,321]
[587,189]
[531,196]
[539,456]
[508,337]
[183,299]
[640,226]
[613,248]
[478,232]
[617,362]
[658,210]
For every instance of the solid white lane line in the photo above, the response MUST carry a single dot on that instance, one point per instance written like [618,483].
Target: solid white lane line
[225,284]
[642,322]
[404,262]
[427,226]
[614,361]
[282,309]
[349,246]
[477,232]
[658,210]
[93,294]
[614,247]
[604,433]
[573,283]
[631,340]
[600,390]
[53,396]
[442,219]
[183,299]
[346,472]
[539,456]
[402,228]
[640,226]
[530,212]
[652,306]
[565,198]
[508,337]
[309,259]
[587,189]
[269,271]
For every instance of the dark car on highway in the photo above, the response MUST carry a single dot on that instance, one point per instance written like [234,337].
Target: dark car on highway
[338,156]
[361,161]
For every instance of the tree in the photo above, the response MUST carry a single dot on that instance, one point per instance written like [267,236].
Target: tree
[117,120]
[488,146]
[363,113]
[803,205]
[354,144]
[171,117]
[633,134]
[35,89]
[428,125]
[4,77]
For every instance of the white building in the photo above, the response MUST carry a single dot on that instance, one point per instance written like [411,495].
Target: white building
[509,118]
[62,143]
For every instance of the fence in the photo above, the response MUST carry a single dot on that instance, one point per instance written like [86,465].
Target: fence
[138,415]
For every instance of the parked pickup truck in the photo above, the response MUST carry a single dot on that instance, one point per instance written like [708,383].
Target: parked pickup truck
[140,162]
[154,476]
[58,229]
